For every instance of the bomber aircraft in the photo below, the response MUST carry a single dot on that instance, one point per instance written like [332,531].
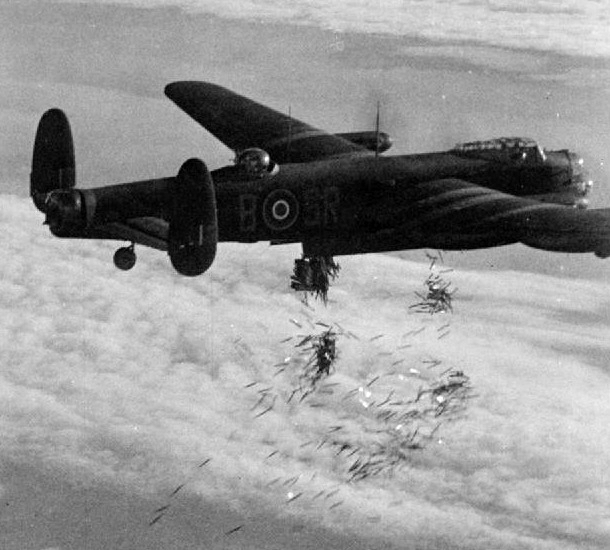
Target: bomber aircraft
[333,193]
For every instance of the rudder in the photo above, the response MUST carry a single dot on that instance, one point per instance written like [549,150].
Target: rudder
[53,164]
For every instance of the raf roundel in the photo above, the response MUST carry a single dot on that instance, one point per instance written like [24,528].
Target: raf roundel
[280,210]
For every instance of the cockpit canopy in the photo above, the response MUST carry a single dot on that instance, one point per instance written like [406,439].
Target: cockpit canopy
[502,149]
[255,163]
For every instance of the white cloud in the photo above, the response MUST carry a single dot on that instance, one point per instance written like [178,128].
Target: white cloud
[569,27]
[135,378]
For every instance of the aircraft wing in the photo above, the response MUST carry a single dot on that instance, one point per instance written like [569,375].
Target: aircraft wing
[240,123]
[453,214]
[456,207]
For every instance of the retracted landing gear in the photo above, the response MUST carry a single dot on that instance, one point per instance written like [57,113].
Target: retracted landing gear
[125,257]
[313,275]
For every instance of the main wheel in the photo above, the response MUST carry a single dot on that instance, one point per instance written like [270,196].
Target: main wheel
[125,258]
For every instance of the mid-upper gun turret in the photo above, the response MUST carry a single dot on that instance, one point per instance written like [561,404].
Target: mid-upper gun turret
[255,163]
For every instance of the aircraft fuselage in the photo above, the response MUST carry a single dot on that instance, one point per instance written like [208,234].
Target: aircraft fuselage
[356,204]
[333,200]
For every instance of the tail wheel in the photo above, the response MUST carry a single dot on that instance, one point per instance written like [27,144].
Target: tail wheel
[125,258]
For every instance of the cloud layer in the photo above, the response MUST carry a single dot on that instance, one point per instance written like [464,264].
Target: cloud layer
[568,27]
[124,383]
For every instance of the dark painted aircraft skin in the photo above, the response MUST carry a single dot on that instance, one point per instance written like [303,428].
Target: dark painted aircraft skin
[334,193]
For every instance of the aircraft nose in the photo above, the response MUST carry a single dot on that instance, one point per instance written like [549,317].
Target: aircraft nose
[580,178]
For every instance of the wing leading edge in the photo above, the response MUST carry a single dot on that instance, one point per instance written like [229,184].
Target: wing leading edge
[453,214]
[456,207]
[240,122]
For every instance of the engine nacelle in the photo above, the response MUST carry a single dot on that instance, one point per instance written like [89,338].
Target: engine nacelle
[193,224]
[373,141]
[69,211]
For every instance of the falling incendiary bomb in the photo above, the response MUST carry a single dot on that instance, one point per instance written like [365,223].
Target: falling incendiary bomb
[323,349]
[312,276]
[395,423]
[234,530]
[398,428]
[439,295]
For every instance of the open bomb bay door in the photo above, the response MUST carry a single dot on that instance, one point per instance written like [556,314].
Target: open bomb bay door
[313,275]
